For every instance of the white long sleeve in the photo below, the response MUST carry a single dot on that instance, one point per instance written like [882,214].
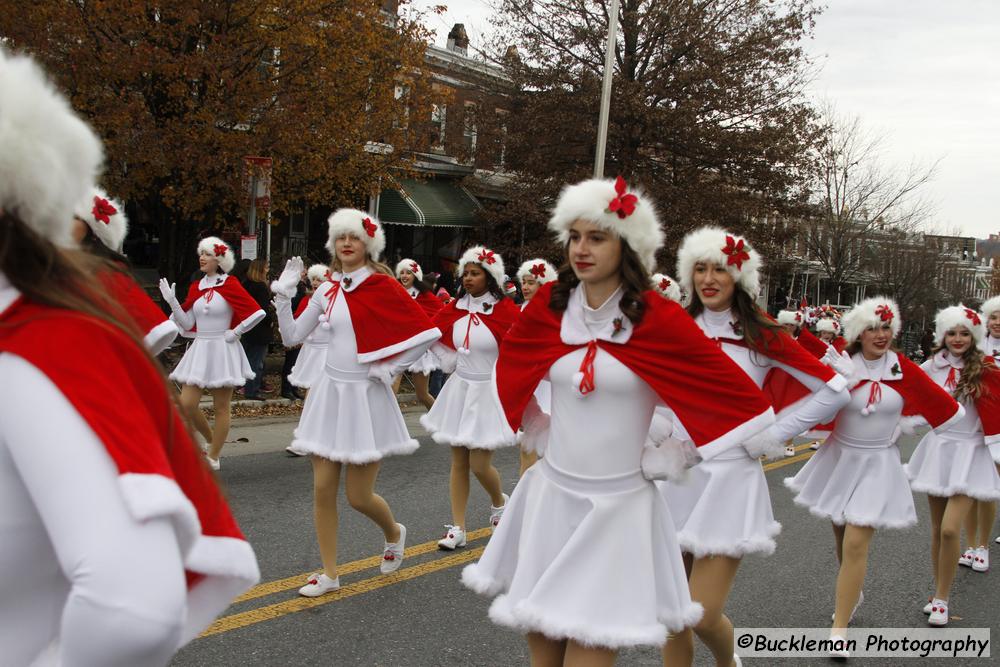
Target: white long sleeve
[183,318]
[76,569]
[818,408]
[249,323]
[293,329]
[406,358]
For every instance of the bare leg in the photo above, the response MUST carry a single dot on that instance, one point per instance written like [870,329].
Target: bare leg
[853,566]
[421,383]
[360,489]
[711,580]
[987,515]
[458,484]
[950,545]
[326,480]
[222,399]
[937,505]
[395,383]
[528,459]
[838,538]
[972,523]
[200,422]
[588,656]
[188,400]
[545,652]
[481,464]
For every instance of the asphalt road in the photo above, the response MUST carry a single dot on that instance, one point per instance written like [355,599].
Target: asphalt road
[422,615]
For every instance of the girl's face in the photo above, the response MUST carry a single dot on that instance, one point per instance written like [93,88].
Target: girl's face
[350,251]
[790,328]
[958,340]
[406,278]
[316,282]
[529,286]
[827,336]
[474,279]
[208,263]
[875,341]
[993,323]
[79,231]
[714,285]
[594,253]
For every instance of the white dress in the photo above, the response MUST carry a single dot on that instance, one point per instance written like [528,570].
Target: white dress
[857,476]
[466,414]
[724,507]
[211,361]
[957,460]
[311,361]
[349,416]
[428,361]
[586,549]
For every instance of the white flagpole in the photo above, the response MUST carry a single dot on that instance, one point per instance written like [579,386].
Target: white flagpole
[609,70]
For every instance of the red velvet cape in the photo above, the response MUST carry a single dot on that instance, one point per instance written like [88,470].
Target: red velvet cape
[123,399]
[499,320]
[988,403]
[232,291]
[430,303]
[133,299]
[708,392]
[781,388]
[921,395]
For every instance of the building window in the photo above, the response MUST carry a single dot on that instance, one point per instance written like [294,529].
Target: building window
[500,154]
[439,114]
[402,95]
[469,133]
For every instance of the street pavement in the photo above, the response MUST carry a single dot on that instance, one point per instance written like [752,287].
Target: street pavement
[422,615]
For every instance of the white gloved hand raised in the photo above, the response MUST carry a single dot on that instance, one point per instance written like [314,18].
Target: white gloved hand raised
[288,281]
[841,363]
[168,294]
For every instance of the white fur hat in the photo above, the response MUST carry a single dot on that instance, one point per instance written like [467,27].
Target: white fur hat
[953,316]
[609,205]
[487,259]
[790,317]
[105,217]
[539,269]
[989,307]
[49,158]
[872,312]
[666,286]
[828,324]
[318,271]
[411,266]
[360,224]
[712,244]
[216,247]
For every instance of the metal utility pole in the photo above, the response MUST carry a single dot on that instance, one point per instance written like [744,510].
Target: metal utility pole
[609,70]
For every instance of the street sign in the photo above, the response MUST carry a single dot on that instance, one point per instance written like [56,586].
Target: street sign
[248,246]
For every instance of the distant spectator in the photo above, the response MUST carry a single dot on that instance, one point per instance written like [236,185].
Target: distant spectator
[256,340]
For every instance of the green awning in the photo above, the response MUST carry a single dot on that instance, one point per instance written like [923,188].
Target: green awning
[432,203]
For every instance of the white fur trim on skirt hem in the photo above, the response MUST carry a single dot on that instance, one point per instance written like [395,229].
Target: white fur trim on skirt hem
[466,414]
[948,467]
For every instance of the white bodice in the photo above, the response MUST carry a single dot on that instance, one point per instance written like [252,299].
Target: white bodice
[877,427]
[718,325]
[483,347]
[212,313]
[990,345]
[342,347]
[937,367]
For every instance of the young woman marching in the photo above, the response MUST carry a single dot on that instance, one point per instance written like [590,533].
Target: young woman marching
[100,227]
[311,361]
[533,274]
[612,349]
[828,331]
[979,522]
[116,547]
[351,419]
[411,277]
[857,479]
[954,467]
[218,310]
[465,415]
[729,515]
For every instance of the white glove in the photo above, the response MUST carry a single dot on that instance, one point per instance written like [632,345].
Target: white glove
[288,281]
[381,372]
[670,459]
[230,336]
[167,292]
[765,443]
[841,363]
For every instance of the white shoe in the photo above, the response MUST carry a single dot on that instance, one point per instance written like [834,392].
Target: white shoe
[997,540]
[454,538]
[319,584]
[815,445]
[497,512]
[392,557]
[841,652]
[966,558]
[981,560]
[736,661]
[790,450]
[861,598]
[939,613]
[214,464]
[291,452]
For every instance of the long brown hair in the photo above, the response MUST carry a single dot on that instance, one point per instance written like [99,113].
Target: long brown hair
[750,318]
[257,271]
[970,383]
[635,281]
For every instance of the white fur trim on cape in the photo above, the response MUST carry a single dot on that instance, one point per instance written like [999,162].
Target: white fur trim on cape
[472,255]
[954,419]
[111,233]
[425,336]
[862,316]
[550,273]
[207,246]
[706,245]
[589,200]
[409,265]
[990,306]
[738,435]
[352,221]
[672,290]
[49,157]
[954,316]
[161,336]
[317,271]
[828,324]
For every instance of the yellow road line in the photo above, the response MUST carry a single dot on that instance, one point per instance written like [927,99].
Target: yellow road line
[273,611]
[789,461]
[298,580]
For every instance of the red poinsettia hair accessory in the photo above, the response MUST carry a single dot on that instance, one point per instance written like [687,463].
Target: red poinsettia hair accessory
[487,257]
[103,210]
[736,252]
[884,312]
[219,249]
[414,267]
[664,284]
[538,270]
[624,202]
[973,316]
[370,227]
